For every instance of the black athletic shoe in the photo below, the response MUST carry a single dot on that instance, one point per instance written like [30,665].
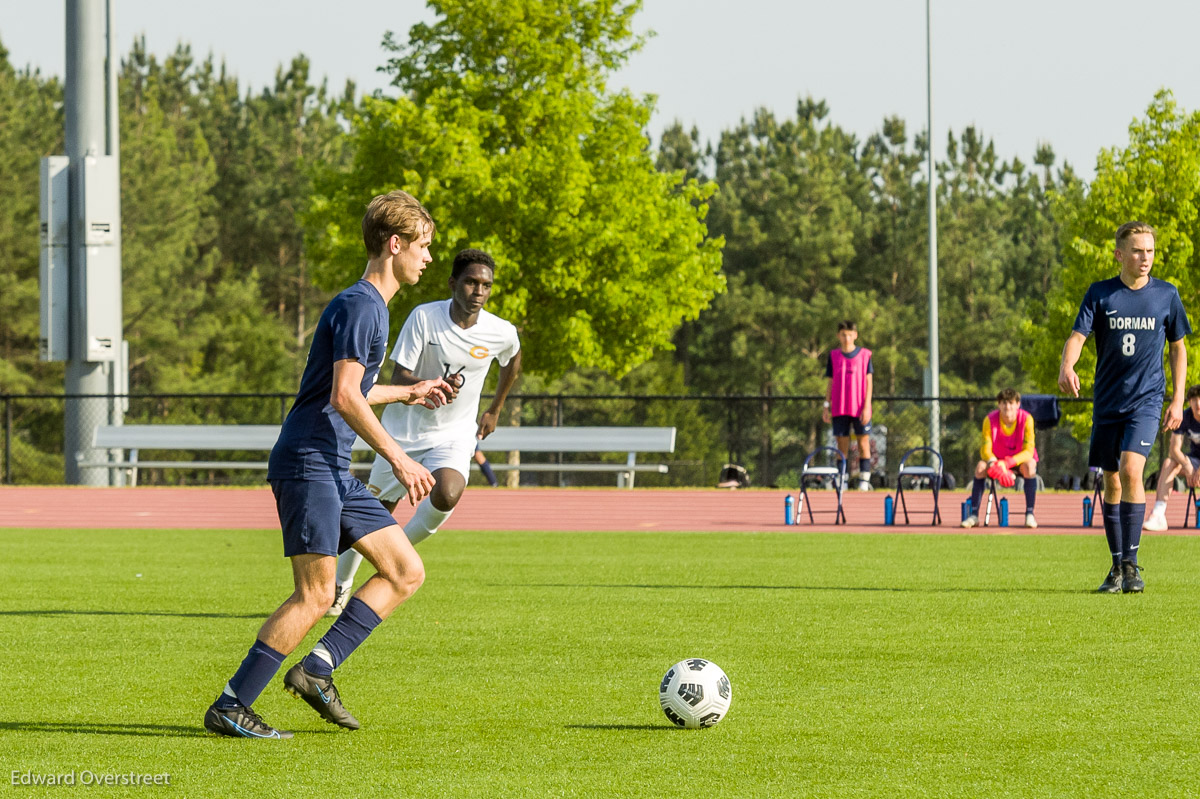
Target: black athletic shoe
[321,694]
[240,721]
[1133,580]
[1113,583]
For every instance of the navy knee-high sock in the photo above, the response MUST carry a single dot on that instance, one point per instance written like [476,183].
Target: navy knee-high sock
[351,629]
[1112,530]
[1030,493]
[489,474]
[252,676]
[1132,516]
[976,494]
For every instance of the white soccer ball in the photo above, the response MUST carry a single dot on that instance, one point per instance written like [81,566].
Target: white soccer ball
[695,693]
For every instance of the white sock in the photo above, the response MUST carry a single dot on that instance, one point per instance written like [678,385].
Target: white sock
[425,521]
[323,654]
[1160,507]
[348,563]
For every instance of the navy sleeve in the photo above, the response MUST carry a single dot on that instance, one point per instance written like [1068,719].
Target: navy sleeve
[1177,321]
[1083,320]
[871,364]
[352,331]
[829,364]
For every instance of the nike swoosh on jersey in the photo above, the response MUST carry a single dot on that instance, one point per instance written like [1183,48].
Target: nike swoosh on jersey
[1145,443]
[1110,313]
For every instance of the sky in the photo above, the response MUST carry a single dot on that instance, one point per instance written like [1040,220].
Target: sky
[1023,72]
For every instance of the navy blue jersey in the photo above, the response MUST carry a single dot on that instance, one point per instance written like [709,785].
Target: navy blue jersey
[1190,429]
[315,441]
[1131,327]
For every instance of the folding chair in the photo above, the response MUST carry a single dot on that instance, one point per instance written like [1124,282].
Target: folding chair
[992,495]
[934,475]
[1191,503]
[838,473]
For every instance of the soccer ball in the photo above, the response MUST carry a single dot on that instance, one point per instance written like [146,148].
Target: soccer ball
[695,693]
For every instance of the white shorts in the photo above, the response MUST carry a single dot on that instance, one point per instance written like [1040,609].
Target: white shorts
[454,455]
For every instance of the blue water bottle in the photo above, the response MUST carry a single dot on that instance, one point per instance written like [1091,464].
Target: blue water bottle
[1198,513]
[1087,511]
[1004,512]
[789,516]
[966,509]
[889,510]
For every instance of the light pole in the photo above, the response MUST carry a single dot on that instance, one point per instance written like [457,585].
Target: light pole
[932,387]
[94,347]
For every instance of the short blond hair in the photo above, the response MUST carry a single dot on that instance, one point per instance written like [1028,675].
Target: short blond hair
[396,213]
[1132,229]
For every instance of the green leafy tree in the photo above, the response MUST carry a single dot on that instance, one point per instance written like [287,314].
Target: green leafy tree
[507,132]
[265,148]
[190,326]
[1156,179]
[31,127]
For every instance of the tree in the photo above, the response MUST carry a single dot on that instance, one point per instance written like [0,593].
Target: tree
[1156,179]
[191,326]
[506,131]
[31,126]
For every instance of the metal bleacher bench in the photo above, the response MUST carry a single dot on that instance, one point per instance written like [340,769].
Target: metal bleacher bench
[261,438]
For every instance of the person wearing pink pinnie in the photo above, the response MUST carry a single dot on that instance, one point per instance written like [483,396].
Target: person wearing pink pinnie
[851,388]
[1008,448]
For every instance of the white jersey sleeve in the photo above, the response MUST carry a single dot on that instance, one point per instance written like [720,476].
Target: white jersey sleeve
[407,352]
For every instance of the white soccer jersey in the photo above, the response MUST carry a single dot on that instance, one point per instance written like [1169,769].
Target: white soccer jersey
[430,345]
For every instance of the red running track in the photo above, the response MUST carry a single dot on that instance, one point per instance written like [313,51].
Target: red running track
[603,509]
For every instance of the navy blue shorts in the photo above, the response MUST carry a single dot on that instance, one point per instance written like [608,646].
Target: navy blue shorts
[326,518]
[1110,439]
[842,425]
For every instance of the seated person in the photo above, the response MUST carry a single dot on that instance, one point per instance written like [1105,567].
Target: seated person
[1178,463]
[1008,445]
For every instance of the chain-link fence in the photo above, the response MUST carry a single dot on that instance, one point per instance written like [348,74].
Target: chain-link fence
[769,435]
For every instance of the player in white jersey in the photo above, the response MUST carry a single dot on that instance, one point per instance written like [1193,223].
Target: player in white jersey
[455,339]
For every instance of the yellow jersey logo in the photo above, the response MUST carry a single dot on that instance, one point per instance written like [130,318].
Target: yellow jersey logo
[479,352]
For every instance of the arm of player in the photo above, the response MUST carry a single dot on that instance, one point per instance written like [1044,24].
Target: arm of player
[1175,452]
[865,416]
[1028,442]
[1067,379]
[348,400]
[1177,355]
[985,448]
[407,389]
[508,377]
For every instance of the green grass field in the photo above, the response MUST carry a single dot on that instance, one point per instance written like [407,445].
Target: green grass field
[528,665]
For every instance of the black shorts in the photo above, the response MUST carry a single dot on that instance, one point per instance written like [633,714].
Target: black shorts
[326,518]
[843,424]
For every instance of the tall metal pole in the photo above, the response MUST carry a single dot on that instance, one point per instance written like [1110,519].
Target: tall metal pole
[95,290]
[933,374]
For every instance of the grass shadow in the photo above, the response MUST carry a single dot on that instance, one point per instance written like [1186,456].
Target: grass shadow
[623,727]
[884,589]
[142,730]
[180,614]
[100,728]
